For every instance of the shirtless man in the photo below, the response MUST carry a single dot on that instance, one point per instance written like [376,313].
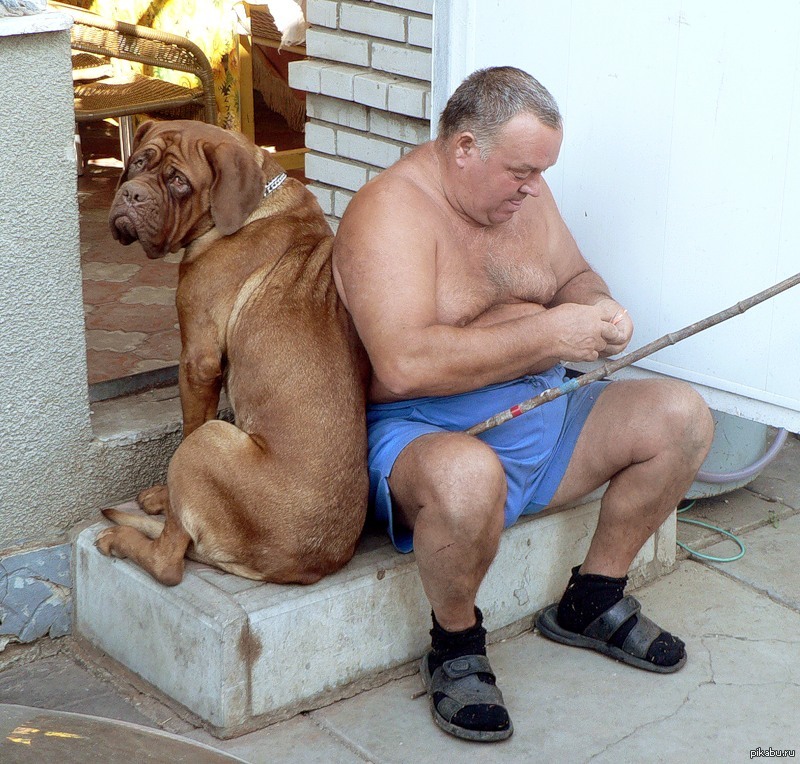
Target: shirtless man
[468,291]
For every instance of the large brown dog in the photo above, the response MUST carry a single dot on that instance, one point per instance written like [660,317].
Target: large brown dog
[282,495]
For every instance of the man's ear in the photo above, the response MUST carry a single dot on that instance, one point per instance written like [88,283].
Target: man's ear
[465,146]
[138,137]
[237,187]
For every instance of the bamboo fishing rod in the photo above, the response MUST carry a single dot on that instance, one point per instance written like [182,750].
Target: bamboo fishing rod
[609,367]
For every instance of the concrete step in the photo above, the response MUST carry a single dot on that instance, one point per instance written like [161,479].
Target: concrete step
[241,655]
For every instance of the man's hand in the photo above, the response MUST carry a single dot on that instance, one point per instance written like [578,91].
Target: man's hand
[622,320]
[587,332]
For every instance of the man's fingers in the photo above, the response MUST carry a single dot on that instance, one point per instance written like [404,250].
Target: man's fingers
[619,315]
[612,334]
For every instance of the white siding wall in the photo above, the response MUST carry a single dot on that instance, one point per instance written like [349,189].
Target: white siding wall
[680,170]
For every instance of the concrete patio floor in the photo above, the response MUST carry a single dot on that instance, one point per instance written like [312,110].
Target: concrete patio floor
[739,692]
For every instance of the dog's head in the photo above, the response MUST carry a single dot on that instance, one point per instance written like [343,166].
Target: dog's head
[184,178]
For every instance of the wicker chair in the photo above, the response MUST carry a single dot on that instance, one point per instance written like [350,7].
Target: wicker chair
[124,96]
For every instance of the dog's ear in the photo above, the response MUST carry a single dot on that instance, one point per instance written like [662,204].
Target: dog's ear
[141,131]
[237,187]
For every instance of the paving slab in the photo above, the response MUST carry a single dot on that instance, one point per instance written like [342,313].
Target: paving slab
[297,741]
[39,736]
[779,479]
[59,683]
[738,512]
[771,563]
[769,498]
[739,690]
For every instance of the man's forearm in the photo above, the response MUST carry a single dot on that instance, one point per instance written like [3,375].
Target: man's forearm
[585,288]
[505,342]
[502,313]
[443,360]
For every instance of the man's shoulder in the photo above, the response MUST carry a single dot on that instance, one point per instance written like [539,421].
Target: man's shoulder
[408,181]
[397,206]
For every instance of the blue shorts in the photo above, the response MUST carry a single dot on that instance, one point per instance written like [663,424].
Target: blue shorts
[534,448]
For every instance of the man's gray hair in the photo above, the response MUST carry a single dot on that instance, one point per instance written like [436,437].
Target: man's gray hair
[489,98]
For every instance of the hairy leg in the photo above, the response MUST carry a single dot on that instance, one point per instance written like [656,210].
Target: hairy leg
[451,489]
[648,438]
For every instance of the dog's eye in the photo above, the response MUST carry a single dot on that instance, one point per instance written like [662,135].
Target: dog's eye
[178,185]
[138,163]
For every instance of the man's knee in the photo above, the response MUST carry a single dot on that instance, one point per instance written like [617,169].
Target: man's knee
[684,417]
[454,476]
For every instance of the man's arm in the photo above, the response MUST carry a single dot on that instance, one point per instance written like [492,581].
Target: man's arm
[582,285]
[509,311]
[385,266]
[589,289]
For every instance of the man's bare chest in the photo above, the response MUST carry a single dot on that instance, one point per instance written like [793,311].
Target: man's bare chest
[474,274]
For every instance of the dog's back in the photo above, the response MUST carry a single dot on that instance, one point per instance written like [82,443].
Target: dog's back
[296,367]
[282,494]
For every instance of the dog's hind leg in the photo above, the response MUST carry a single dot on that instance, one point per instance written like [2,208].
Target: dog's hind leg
[155,500]
[162,557]
[151,527]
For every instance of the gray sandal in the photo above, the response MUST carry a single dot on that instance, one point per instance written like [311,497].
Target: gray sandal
[457,680]
[597,635]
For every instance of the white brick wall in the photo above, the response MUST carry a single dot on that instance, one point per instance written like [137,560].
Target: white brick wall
[398,128]
[337,81]
[324,197]
[372,89]
[334,172]
[367,149]
[320,137]
[323,13]
[408,98]
[385,24]
[367,76]
[420,31]
[337,111]
[400,59]
[351,49]
[421,6]
[340,201]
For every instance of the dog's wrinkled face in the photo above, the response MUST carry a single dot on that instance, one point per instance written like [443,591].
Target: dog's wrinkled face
[182,179]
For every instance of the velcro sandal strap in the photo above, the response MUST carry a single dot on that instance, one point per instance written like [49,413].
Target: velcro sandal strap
[641,637]
[606,624]
[458,668]
[462,682]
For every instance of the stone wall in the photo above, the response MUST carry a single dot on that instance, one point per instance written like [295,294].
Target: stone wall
[368,79]
[59,465]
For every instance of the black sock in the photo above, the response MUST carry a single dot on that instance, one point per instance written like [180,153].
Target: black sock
[586,597]
[589,595]
[447,645]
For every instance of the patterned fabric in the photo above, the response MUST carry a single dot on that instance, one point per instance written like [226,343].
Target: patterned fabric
[209,24]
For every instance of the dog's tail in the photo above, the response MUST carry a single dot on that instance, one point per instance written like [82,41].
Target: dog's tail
[150,526]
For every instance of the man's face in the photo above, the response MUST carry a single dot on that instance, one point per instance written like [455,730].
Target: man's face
[496,188]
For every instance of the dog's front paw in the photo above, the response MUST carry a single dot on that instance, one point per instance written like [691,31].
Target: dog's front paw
[155,500]
[105,542]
